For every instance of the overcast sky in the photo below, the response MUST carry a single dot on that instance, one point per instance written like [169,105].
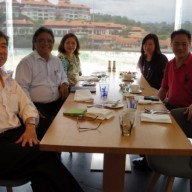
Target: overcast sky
[140,10]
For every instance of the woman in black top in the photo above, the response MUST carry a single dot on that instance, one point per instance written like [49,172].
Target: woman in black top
[152,62]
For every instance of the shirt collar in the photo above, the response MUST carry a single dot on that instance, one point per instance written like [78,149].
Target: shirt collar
[186,60]
[37,56]
[4,74]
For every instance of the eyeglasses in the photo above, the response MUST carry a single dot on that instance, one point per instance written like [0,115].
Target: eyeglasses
[44,41]
[83,118]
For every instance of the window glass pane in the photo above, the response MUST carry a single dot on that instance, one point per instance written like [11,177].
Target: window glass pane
[187,15]
[107,30]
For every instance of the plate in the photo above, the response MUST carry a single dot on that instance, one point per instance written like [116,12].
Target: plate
[135,92]
[130,80]
[110,106]
[87,83]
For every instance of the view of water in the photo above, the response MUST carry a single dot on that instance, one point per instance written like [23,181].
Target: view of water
[90,60]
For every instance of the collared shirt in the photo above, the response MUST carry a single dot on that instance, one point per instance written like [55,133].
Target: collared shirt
[178,82]
[39,78]
[13,102]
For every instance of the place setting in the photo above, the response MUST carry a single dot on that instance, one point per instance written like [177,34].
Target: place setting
[127,74]
[105,102]
[135,89]
[129,89]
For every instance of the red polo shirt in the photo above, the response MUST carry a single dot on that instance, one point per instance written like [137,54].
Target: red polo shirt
[178,82]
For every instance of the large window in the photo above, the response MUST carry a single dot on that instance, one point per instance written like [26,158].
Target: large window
[107,30]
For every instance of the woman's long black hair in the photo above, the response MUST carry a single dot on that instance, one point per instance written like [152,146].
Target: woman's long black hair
[157,46]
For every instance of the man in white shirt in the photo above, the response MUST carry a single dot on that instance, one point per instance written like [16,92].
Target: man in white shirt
[19,130]
[42,77]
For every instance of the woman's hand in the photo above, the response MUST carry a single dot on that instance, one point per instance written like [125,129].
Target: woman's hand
[29,136]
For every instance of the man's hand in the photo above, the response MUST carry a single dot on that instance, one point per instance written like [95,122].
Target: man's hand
[29,136]
[63,90]
[188,112]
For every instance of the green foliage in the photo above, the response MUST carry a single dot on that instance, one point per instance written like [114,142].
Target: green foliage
[162,29]
[187,25]
[114,19]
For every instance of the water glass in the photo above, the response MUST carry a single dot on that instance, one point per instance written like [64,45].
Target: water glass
[127,121]
[104,89]
[131,103]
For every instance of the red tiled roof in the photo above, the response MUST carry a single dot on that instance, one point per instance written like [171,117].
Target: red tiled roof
[83,24]
[137,29]
[62,4]
[118,39]
[138,35]
[165,42]
[32,2]
[21,22]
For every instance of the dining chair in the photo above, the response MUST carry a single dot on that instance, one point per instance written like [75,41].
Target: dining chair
[9,183]
[170,166]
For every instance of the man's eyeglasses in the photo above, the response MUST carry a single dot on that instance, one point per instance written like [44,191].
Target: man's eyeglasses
[83,118]
[44,41]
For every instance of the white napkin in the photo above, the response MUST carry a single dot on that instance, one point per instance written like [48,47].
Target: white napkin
[142,101]
[190,139]
[87,78]
[83,95]
[157,118]
[100,112]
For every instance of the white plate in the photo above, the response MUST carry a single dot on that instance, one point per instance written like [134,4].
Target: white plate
[110,106]
[128,79]
[135,92]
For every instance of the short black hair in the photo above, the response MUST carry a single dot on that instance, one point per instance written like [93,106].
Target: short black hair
[38,32]
[181,32]
[2,35]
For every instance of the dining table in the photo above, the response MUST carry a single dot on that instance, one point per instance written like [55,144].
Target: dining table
[147,138]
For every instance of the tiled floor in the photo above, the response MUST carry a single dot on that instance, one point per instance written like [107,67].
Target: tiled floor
[136,181]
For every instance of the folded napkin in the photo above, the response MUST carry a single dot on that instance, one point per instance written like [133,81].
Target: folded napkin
[100,113]
[190,139]
[83,95]
[87,78]
[157,118]
[143,102]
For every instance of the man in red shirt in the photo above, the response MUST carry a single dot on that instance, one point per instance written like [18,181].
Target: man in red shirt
[176,85]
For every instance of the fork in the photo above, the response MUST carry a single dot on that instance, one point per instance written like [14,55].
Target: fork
[153,111]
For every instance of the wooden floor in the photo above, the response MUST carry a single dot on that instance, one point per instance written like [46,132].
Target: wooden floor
[136,181]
